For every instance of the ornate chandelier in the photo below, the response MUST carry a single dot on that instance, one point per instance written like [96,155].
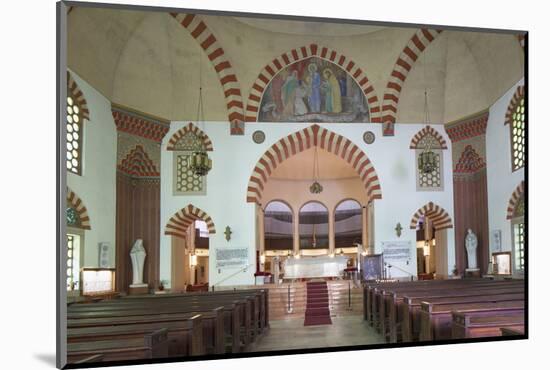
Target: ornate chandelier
[199,162]
[427,162]
[315,188]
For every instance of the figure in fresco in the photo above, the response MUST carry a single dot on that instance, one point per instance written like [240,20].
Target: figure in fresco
[300,93]
[331,88]
[276,87]
[342,82]
[288,93]
[314,98]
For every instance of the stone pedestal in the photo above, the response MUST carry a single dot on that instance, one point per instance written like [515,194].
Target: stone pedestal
[138,289]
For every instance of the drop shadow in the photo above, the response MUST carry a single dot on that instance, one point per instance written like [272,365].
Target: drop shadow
[46,358]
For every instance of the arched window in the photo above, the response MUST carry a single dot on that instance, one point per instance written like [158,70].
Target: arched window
[313,226]
[278,231]
[515,213]
[515,118]
[77,111]
[348,224]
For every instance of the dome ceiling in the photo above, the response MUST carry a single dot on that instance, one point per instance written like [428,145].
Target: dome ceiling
[150,62]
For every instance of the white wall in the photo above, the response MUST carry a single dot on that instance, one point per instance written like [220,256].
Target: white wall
[97,185]
[501,181]
[234,158]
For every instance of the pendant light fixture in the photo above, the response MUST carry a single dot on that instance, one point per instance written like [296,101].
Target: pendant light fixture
[426,159]
[199,162]
[315,188]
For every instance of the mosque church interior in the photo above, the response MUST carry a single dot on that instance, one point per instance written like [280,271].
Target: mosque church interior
[352,183]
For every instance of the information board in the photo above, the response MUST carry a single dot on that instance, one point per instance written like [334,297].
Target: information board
[231,258]
[397,250]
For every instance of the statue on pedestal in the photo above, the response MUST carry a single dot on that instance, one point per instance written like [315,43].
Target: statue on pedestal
[137,255]
[471,248]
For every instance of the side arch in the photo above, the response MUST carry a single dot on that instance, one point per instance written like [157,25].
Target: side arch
[517,195]
[405,62]
[190,128]
[428,130]
[304,52]
[439,217]
[74,91]
[304,139]
[180,221]
[226,74]
[74,201]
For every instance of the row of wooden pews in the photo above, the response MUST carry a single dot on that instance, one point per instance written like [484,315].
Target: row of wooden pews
[170,325]
[445,309]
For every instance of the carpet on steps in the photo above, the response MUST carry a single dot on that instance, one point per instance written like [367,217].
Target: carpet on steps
[317,309]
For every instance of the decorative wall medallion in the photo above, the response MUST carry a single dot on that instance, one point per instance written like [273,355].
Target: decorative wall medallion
[368,137]
[258,136]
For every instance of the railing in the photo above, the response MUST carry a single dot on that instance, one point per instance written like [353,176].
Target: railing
[230,276]
[389,266]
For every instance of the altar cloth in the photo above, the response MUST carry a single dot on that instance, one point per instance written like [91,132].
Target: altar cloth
[315,267]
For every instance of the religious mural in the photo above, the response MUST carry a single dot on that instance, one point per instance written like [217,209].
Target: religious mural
[313,90]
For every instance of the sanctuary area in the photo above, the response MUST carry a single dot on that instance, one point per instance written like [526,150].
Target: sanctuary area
[238,184]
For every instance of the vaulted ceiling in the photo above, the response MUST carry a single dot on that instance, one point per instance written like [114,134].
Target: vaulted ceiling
[150,62]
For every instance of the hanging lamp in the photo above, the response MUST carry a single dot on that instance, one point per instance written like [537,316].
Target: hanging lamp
[199,162]
[315,188]
[426,160]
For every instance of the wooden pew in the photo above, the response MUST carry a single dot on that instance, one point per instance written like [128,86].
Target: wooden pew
[384,300]
[404,315]
[152,345]
[436,319]
[468,324]
[185,337]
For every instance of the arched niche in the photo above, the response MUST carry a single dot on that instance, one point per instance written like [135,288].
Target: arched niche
[278,226]
[348,223]
[313,226]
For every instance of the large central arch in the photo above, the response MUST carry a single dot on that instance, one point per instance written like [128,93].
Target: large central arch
[299,141]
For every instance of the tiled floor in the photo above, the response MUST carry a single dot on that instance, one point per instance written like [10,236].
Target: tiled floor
[292,334]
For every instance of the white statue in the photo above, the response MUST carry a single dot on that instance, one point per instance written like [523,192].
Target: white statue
[471,248]
[137,254]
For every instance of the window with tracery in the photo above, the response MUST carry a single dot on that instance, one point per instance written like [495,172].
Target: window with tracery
[429,180]
[518,235]
[73,121]
[517,135]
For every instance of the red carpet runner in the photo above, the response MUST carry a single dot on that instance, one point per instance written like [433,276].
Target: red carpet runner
[317,311]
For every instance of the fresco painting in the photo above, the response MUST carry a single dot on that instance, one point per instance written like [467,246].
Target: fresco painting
[313,90]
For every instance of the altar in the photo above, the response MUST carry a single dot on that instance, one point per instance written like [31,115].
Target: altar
[315,267]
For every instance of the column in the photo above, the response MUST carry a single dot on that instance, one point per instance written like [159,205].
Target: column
[331,233]
[296,239]
[261,233]
[365,228]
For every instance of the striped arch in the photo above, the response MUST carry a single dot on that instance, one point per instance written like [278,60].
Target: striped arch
[180,221]
[226,74]
[207,143]
[405,62]
[302,140]
[295,55]
[75,202]
[514,199]
[518,95]
[137,163]
[74,91]
[428,130]
[439,217]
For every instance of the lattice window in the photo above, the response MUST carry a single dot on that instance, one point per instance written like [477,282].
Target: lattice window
[73,242]
[185,181]
[518,229]
[517,135]
[432,180]
[74,136]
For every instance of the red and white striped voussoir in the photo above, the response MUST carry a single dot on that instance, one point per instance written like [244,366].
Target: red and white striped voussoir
[74,91]
[216,54]
[295,55]
[140,126]
[405,62]
[180,221]
[190,127]
[302,140]
[439,217]
[518,95]
[75,202]
[514,199]
[137,163]
[428,130]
